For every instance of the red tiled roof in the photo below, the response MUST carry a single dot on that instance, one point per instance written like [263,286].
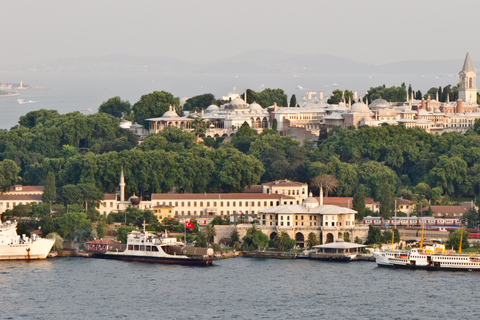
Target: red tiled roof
[219,196]
[342,201]
[21,197]
[284,183]
[448,209]
[36,189]
[253,189]
[110,196]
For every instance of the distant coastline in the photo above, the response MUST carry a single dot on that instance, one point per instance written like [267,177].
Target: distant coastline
[8,94]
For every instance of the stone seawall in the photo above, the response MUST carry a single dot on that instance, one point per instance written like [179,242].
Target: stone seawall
[280,255]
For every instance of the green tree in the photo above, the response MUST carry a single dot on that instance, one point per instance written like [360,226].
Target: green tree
[244,137]
[358,202]
[102,227]
[293,101]
[453,240]
[234,237]
[200,102]
[283,241]
[210,233]
[339,96]
[312,240]
[58,246]
[8,174]
[153,105]
[123,232]
[199,126]
[374,235]
[115,107]
[75,226]
[254,239]
[49,193]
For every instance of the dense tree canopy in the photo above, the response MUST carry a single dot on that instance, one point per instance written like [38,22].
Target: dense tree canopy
[153,105]
[115,107]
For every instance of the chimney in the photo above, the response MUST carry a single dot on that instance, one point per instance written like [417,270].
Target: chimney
[355,96]
[321,197]
[423,104]
[309,95]
[459,106]
[321,95]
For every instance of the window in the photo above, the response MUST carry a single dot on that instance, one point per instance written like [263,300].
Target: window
[195,203]
[176,203]
[188,204]
[302,218]
[201,203]
[228,203]
[183,204]
[288,223]
[240,203]
[281,217]
[234,203]
[288,217]
[221,203]
[170,203]
[253,203]
[208,203]
[259,203]
[215,203]
[264,203]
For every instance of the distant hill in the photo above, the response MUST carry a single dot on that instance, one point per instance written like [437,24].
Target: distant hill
[253,62]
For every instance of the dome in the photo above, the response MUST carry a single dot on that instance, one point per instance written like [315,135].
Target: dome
[360,107]
[134,200]
[310,202]
[255,106]
[380,104]
[170,114]
[212,108]
[237,102]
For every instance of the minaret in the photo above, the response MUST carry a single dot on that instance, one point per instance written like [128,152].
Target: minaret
[122,186]
[468,86]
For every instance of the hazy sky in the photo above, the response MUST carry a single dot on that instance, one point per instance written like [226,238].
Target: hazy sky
[376,31]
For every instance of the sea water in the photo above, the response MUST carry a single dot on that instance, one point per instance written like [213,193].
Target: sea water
[237,288]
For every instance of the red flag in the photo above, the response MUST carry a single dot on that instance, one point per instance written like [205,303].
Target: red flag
[189,225]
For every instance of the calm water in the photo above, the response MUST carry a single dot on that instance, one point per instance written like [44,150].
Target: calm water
[76,92]
[240,288]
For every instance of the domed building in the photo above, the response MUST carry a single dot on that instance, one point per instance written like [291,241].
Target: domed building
[358,111]
[169,119]
[379,104]
[327,222]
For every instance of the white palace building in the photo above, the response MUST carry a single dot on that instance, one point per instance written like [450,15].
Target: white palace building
[313,113]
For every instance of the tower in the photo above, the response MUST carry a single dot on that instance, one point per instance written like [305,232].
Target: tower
[468,84]
[122,186]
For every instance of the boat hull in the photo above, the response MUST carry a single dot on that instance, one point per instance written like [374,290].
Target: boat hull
[151,259]
[36,250]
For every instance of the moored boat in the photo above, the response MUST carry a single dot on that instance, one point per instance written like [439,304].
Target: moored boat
[148,247]
[14,247]
[433,257]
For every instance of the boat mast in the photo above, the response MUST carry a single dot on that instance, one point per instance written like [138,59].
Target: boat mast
[461,237]
[393,231]
[421,240]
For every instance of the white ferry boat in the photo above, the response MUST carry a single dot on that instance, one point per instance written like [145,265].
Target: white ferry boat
[14,247]
[148,247]
[429,258]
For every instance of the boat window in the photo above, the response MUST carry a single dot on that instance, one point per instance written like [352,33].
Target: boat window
[130,247]
[154,248]
[135,247]
[142,248]
[149,248]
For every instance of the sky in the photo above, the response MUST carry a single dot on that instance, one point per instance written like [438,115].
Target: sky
[370,31]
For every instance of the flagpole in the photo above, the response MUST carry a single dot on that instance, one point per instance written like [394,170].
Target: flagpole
[184,232]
